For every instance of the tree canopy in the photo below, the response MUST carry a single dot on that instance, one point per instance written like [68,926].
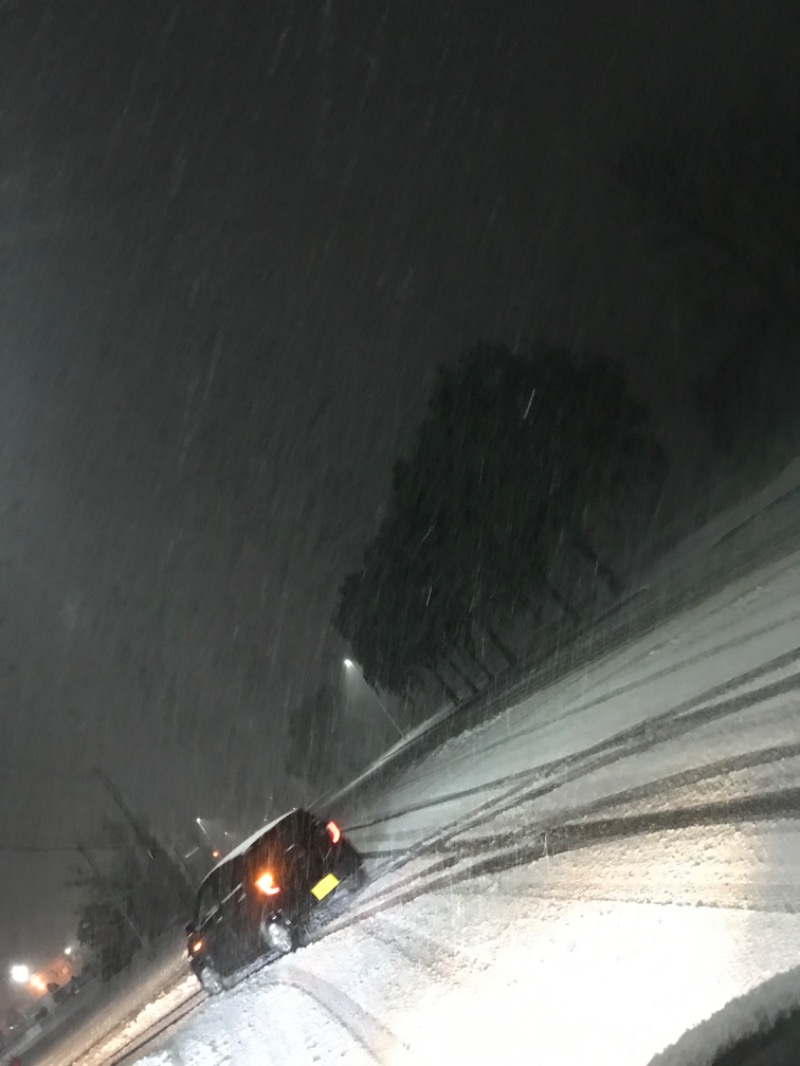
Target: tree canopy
[515,458]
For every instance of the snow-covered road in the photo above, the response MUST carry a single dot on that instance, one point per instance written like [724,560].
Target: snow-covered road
[580,880]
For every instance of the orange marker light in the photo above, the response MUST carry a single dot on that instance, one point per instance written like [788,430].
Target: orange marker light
[197,946]
[265,883]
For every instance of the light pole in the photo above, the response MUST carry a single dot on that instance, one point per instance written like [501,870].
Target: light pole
[351,668]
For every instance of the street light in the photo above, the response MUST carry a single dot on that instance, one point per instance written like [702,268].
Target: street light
[68,949]
[20,974]
[350,665]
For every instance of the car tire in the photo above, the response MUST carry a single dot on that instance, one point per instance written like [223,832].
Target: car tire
[278,936]
[212,980]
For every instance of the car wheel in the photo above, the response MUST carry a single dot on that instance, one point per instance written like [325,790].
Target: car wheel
[212,980]
[278,936]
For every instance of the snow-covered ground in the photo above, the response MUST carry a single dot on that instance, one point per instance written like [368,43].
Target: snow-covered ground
[585,878]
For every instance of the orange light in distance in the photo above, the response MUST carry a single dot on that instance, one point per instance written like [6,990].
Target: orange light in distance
[197,946]
[265,883]
[334,831]
[215,854]
[38,982]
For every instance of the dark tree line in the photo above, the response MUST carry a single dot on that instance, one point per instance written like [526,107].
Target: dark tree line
[517,463]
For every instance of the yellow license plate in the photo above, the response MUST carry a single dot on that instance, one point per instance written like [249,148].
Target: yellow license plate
[323,887]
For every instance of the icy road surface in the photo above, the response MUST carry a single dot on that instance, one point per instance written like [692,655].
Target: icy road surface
[582,879]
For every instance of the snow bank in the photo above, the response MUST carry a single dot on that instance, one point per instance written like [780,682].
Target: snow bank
[585,877]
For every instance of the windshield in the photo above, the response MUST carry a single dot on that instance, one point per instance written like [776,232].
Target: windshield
[399,529]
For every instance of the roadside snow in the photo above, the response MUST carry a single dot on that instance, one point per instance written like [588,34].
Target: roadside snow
[585,878]
[640,872]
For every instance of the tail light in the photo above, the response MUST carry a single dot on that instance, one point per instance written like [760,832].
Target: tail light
[265,883]
[334,832]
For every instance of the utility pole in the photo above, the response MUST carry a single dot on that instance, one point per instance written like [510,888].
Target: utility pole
[354,668]
[383,707]
[112,891]
[154,851]
[143,839]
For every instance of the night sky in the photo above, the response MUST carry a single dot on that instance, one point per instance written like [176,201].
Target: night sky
[236,240]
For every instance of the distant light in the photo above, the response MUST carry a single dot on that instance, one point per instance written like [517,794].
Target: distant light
[38,982]
[349,664]
[199,821]
[20,974]
[215,853]
[197,946]
[68,950]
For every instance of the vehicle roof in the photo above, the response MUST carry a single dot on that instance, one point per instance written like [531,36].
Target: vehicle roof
[246,844]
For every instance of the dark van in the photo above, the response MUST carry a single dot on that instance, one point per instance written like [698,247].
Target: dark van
[258,898]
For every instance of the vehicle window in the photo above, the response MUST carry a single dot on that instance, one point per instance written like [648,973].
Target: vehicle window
[208,899]
[218,886]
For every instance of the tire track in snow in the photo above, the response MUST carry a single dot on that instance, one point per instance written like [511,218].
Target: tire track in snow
[418,949]
[372,1035]
[505,852]
[603,755]
[380,1043]
[445,844]
[633,741]
[783,804]
[738,896]
[450,847]
[787,659]
[663,785]
[538,679]
[690,714]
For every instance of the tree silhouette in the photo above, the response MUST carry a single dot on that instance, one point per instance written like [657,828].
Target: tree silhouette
[513,457]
